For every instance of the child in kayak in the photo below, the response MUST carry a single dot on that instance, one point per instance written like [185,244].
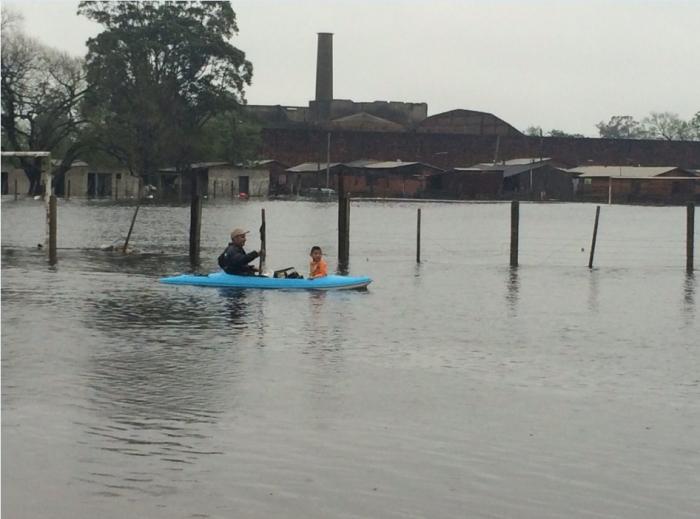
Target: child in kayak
[318,267]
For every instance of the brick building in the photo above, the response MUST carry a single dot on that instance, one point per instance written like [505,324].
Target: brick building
[387,130]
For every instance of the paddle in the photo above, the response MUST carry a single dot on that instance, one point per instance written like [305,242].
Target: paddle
[261,269]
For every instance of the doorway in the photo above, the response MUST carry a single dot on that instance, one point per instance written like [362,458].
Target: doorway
[244,185]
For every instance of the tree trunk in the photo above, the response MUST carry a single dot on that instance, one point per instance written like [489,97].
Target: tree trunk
[33,173]
[34,183]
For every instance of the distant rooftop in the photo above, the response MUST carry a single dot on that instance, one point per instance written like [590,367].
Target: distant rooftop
[390,164]
[622,171]
[510,167]
[360,163]
[199,165]
[306,167]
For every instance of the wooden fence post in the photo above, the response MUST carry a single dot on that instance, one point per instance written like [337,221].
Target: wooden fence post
[347,229]
[53,229]
[195,220]
[133,218]
[328,160]
[48,192]
[418,237]
[15,189]
[263,241]
[343,225]
[690,237]
[595,237]
[514,231]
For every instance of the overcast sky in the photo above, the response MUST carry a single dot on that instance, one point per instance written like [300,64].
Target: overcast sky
[564,64]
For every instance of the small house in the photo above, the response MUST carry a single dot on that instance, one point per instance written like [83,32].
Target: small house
[531,178]
[306,176]
[468,184]
[636,183]
[388,178]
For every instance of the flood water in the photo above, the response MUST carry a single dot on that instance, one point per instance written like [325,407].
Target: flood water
[453,388]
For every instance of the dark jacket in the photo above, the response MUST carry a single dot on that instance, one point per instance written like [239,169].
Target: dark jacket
[234,260]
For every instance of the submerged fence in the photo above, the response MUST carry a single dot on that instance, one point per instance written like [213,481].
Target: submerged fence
[433,232]
[344,233]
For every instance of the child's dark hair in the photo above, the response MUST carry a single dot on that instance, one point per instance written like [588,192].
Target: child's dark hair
[315,248]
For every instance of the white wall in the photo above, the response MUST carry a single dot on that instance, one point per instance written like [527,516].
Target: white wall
[223,178]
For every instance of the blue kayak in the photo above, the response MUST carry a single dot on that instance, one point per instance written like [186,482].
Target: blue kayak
[221,279]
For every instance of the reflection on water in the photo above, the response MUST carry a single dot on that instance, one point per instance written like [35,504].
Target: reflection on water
[689,288]
[593,290]
[317,299]
[512,289]
[235,302]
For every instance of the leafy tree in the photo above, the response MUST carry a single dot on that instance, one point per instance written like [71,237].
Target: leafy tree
[560,133]
[667,125]
[231,136]
[621,127]
[159,72]
[536,131]
[41,94]
[694,125]
[657,125]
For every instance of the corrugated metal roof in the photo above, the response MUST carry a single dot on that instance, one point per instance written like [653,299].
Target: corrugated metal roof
[526,160]
[306,167]
[199,165]
[483,166]
[510,167]
[360,163]
[477,170]
[390,164]
[621,171]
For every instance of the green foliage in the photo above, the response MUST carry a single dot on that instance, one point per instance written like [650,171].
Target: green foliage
[560,133]
[657,125]
[231,137]
[667,125]
[621,127]
[536,131]
[159,72]
[694,125]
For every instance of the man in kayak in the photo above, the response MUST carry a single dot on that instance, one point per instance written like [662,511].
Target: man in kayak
[234,260]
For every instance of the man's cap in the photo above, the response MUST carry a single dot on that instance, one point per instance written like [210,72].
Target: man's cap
[238,232]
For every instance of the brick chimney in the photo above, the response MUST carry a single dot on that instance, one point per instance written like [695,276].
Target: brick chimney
[324,67]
